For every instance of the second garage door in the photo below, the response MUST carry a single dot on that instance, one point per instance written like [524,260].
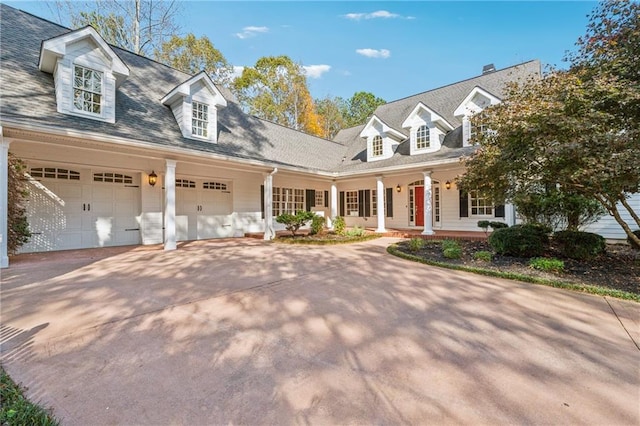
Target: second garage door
[203,209]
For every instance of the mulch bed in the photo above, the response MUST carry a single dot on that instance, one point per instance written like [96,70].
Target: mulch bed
[618,268]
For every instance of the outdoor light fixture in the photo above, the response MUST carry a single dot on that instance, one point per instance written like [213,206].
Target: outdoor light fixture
[398,188]
[153,178]
[447,185]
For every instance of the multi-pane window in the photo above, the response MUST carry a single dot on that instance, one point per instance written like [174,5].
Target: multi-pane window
[319,198]
[54,173]
[351,203]
[436,203]
[480,205]
[112,178]
[200,119]
[87,89]
[185,183]
[287,200]
[374,203]
[477,130]
[377,146]
[215,185]
[422,137]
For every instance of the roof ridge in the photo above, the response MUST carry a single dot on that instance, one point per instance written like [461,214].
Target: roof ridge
[292,129]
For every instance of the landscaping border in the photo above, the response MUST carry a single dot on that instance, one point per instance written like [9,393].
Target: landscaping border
[302,241]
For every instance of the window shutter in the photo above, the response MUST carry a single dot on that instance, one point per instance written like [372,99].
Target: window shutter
[310,199]
[499,211]
[342,203]
[326,198]
[361,203]
[464,204]
[389,201]
[262,200]
[367,203]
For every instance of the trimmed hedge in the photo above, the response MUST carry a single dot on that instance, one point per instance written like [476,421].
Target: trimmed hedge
[528,240]
[579,245]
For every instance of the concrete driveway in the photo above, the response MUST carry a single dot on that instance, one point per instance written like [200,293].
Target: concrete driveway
[246,332]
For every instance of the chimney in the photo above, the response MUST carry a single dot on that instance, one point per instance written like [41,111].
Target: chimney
[488,68]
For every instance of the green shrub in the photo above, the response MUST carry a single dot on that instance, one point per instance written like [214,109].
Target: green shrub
[317,225]
[356,231]
[483,255]
[416,244]
[633,243]
[339,225]
[498,225]
[450,244]
[452,252]
[484,224]
[294,222]
[527,240]
[547,264]
[579,245]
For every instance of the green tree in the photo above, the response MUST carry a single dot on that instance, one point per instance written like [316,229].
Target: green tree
[276,89]
[192,55]
[110,27]
[18,226]
[330,110]
[360,107]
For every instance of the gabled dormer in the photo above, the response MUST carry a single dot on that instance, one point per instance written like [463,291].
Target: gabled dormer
[477,100]
[427,129]
[195,104]
[86,73]
[381,139]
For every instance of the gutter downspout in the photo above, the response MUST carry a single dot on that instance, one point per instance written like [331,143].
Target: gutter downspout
[269,232]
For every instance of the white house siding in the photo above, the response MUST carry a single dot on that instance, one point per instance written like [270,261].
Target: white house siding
[609,228]
[287,180]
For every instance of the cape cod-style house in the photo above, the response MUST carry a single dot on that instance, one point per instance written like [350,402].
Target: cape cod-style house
[123,150]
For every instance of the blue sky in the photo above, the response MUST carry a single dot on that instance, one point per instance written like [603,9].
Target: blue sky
[392,49]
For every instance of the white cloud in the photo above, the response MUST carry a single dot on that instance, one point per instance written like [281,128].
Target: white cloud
[374,53]
[251,32]
[316,71]
[237,71]
[384,14]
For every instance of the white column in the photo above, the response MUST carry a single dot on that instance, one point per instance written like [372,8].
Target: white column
[334,204]
[170,205]
[510,214]
[380,194]
[428,208]
[269,232]
[4,203]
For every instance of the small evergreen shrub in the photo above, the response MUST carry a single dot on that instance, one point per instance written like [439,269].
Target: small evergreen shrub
[547,264]
[528,240]
[415,244]
[633,243]
[498,225]
[317,225]
[484,224]
[356,231]
[452,253]
[579,245]
[449,244]
[483,255]
[293,222]
[339,225]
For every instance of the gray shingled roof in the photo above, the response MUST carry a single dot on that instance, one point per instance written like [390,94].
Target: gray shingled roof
[141,116]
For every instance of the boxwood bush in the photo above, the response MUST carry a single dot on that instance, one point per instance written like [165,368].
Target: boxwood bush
[579,245]
[528,240]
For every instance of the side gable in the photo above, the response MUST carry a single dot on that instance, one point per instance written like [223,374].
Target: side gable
[477,100]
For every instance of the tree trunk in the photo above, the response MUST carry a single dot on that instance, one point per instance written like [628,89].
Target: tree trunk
[610,205]
[136,28]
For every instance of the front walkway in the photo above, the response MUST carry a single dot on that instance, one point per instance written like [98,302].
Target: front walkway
[248,332]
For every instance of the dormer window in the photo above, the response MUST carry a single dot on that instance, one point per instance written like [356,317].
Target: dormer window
[377,146]
[200,120]
[422,137]
[87,90]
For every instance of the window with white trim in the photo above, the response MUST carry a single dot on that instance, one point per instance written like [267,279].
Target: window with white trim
[87,90]
[479,204]
[376,146]
[351,203]
[200,119]
[374,202]
[422,137]
[319,198]
[287,200]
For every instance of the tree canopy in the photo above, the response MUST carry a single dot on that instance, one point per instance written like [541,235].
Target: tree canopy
[360,107]
[575,130]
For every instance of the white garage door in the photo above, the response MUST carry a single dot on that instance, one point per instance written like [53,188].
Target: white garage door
[70,209]
[203,209]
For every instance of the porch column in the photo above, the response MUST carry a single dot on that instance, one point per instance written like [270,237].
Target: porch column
[428,208]
[4,202]
[269,232]
[334,204]
[380,203]
[170,205]
[510,214]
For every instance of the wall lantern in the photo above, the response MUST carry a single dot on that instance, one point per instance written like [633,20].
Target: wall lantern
[153,178]
[447,185]
[398,188]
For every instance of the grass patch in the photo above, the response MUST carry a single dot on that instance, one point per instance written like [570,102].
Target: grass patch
[483,255]
[15,409]
[325,240]
[585,288]
[546,264]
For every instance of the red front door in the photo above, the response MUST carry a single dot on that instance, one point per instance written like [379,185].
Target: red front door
[419,200]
